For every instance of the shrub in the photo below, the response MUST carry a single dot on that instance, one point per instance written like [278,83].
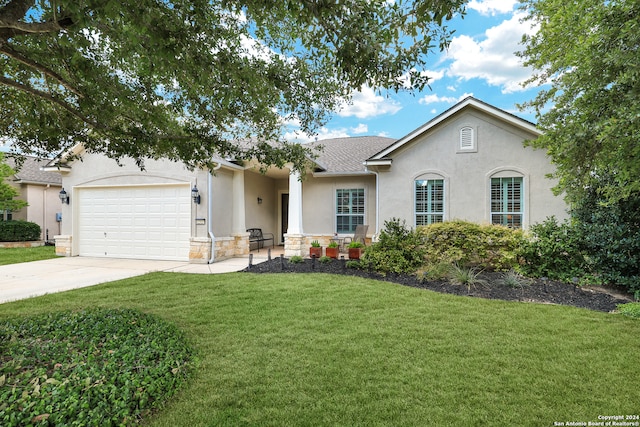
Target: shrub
[355,245]
[325,259]
[466,276]
[94,367]
[296,259]
[19,231]
[610,236]
[333,244]
[315,244]
[631,309]
[513,279]
[398,250]
[489,247]
[553,250]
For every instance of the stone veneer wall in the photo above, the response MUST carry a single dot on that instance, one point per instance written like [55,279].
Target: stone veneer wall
[199,250]
[63,245]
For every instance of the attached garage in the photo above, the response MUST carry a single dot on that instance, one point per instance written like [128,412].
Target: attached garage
[138,221]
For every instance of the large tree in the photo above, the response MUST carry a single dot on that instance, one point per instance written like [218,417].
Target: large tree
[588,53]
[8,193]
[185,79]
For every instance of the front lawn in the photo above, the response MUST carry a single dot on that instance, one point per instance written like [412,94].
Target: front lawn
[17,255]
[317,349]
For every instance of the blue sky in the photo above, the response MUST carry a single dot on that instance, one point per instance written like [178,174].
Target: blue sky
[479,62]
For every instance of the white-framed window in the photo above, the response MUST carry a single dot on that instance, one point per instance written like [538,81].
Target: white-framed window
[349,209]
[429,201]
[467,139]
[6,215]
[507,201]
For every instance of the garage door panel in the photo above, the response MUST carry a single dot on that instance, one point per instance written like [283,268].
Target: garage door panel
[146,222]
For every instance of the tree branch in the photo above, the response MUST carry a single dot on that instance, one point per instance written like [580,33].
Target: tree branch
[48,97]
[17,27]
[9,51]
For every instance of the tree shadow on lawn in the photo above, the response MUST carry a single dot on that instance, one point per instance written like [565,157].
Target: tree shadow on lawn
[491,285]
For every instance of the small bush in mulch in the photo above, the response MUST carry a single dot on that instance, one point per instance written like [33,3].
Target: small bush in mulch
[491,285]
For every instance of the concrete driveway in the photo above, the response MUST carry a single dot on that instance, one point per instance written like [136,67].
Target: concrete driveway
[29,279]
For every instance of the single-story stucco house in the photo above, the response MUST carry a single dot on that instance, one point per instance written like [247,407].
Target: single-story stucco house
[467,163]
[40,190]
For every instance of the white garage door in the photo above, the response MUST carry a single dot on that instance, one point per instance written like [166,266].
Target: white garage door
[141,222]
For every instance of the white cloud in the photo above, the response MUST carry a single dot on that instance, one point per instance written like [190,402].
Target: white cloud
[323,133]
[492,7]
[432,99]
[366,103]
[360,129]
[493,58]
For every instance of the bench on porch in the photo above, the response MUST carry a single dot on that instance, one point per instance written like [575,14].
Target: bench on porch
[257,238]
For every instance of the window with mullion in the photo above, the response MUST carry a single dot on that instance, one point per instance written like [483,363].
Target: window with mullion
[349,209]
[429,195]
[507,201]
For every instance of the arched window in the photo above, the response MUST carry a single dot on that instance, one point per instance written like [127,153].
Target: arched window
[429,201]
[507,201]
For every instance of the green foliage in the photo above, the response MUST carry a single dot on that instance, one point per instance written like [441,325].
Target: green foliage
[398,250]
[181,78]
[489,247]
[106,367]
[437,271]
[315,244]
[585,53]
[325,259]
[8,193]
[296,259]
[354,264]
[333,244]
[631,309]
[19,231]
[553,250]
[465,276]
[513,279]
[610,238]
[356,245]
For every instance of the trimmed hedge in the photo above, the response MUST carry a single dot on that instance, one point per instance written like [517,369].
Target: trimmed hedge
[19,231]
[490,247]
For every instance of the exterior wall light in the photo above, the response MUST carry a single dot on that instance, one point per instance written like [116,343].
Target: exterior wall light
[195,195]
[64,197]
[259,200]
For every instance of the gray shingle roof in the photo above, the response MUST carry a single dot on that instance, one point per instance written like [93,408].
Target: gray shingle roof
[30,171]
[347,155]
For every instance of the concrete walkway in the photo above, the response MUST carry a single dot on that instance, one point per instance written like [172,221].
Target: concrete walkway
[29,279]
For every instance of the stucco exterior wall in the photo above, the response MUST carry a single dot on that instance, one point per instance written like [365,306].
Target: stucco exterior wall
[319,202]
[262,215]
[44,203]
[467,175]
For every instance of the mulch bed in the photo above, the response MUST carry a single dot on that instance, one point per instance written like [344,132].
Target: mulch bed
[535,291]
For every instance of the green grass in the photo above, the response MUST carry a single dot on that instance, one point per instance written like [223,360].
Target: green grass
[17,255]
[307,350]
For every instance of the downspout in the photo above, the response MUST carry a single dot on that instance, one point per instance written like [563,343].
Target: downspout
[210,212]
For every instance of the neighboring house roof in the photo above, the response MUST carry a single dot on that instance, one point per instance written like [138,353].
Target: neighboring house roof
[341,156]
[467,103]
[31,172]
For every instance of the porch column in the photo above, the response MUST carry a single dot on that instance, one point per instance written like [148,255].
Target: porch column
[294,237]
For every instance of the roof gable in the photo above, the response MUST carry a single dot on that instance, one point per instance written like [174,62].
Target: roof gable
[31,171]
[347,155]
[465,104]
